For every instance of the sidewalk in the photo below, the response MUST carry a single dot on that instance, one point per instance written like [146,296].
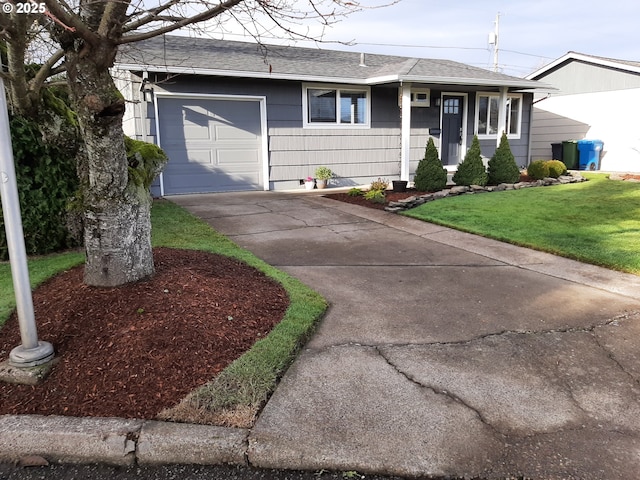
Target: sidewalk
[442,354]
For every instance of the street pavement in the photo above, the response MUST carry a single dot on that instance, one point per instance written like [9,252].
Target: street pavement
[442,355]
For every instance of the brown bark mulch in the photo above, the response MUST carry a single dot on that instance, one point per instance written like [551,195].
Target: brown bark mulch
[135,350]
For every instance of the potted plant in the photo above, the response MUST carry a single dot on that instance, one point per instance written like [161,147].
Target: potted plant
[323,174]
[309,183]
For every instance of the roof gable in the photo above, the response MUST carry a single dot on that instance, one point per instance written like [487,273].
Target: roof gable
[624,65]
[176,54]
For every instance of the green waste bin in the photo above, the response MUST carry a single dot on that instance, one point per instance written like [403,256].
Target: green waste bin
[570,154]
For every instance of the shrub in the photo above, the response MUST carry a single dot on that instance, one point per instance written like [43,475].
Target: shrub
[354,192]
[556,168]
[502,166]
[376,196]
[430,175]
[471,171]
[538,169]
[47,179]
[381,185]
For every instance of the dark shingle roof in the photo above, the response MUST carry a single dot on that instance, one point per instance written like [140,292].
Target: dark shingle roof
[224,57]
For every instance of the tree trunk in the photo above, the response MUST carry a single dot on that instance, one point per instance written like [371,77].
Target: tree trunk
[117,212]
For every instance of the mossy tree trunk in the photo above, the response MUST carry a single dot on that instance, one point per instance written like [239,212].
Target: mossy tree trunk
[117,224]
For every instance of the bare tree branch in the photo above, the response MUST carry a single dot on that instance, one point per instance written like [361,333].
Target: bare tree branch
[59,10]
[151,15]
[201,17]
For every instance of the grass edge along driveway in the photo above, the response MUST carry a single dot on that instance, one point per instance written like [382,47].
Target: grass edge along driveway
[595,222]
[250,379]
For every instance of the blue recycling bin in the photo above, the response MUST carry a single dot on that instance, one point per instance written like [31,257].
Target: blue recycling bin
[589,153]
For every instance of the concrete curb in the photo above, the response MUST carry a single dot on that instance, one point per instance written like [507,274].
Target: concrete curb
[121,442]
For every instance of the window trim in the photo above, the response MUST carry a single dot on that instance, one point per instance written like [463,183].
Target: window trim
[338,88]
[485,136]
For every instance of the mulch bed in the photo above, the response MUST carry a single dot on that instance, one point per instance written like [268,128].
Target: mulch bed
[135,350]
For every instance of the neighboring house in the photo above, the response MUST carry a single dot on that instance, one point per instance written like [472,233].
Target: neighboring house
[239,116]
[597,99]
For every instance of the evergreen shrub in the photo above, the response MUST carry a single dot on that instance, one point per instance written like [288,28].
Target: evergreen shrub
[430,175]
[502,166]
[471,171]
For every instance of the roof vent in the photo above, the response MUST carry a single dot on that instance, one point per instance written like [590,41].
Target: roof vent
[362,64]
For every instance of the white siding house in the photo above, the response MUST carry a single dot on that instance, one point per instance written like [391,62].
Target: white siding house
[597,99]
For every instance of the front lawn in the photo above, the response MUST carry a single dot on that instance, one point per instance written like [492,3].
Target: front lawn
[595,222]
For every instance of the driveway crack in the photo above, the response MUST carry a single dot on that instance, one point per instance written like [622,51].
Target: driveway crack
[438,391]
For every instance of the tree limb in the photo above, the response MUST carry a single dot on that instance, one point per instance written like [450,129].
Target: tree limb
[71,20]
[46,70]
[201,17]
[113,19]
[152,15]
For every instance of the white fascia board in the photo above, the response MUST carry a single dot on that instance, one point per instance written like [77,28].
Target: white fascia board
[484,82]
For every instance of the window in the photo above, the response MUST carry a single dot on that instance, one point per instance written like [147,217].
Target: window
[487,115]
[420,97]
[330,106]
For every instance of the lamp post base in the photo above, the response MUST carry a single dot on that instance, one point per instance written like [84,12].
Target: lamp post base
[31,357]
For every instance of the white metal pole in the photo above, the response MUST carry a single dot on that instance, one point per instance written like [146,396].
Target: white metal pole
[31,352]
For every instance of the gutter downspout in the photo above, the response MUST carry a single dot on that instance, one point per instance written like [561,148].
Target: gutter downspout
[405,130]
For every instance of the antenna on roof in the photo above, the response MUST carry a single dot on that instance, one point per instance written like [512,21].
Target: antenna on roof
[493,40]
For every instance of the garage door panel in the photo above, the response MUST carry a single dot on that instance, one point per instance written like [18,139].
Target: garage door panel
[229,133]
[212,144]
[237,158]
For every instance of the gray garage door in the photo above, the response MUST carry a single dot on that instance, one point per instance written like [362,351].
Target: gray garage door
[213,145]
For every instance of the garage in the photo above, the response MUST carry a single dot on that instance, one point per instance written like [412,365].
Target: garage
[214,144]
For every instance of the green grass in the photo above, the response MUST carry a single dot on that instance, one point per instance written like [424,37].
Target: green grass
[250,379]
[596,222]
[40,269]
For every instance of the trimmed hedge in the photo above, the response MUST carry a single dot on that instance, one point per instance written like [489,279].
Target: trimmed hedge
[47,179]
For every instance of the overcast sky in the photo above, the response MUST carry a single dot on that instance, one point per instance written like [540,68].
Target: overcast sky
[532,32]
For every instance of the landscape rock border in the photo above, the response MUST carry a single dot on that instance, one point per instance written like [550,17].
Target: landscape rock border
[416,200]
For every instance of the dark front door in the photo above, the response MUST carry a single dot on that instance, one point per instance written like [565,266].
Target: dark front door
[452,108]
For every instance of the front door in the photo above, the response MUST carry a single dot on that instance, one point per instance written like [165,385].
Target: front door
[452,115]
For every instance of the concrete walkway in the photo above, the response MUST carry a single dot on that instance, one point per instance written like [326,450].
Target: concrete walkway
[443,353]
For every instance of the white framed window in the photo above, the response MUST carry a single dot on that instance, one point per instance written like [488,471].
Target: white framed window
[420,97]
[336,105]
[487,106]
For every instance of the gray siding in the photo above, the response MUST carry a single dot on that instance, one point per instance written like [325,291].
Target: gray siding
[581,77]
[550,128]
[357,156]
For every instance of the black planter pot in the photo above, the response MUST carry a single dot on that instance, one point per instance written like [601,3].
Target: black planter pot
[399,185]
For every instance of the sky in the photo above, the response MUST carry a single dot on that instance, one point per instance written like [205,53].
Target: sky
[532,33]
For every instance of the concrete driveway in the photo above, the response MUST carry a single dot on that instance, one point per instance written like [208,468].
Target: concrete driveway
[442,353]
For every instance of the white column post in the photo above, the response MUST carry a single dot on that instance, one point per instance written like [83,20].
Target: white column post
[502,113]
[405,131]
[32,352]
